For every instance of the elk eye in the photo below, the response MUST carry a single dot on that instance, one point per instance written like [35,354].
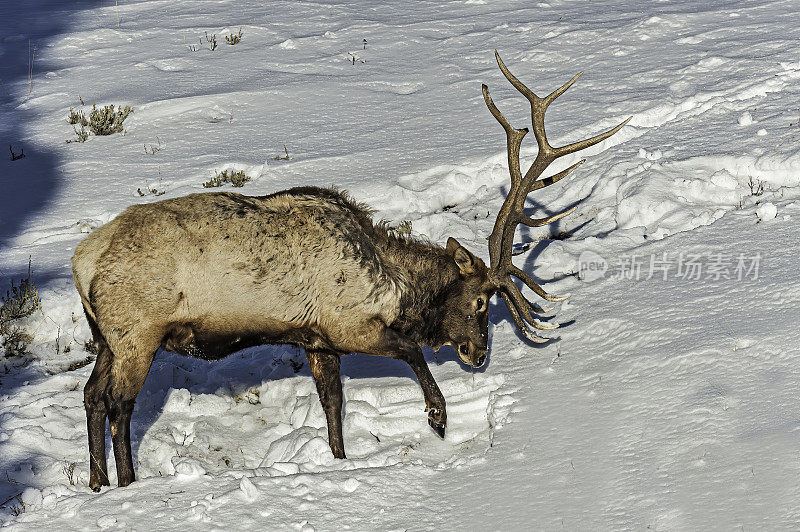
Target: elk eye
[479,303]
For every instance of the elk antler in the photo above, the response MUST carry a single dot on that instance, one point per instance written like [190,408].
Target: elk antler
[511,214]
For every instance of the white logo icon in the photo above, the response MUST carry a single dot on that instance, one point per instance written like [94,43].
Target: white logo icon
[591,266]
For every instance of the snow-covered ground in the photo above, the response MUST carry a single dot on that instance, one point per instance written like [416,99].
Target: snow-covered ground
[670,401]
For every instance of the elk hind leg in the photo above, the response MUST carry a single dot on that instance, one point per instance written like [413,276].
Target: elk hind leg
[128,374]
[325,368]
[96,413]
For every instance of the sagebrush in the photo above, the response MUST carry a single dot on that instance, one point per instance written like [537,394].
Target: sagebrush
[234,38]
[102,121]
[236,179]
[107,120]
[20,301]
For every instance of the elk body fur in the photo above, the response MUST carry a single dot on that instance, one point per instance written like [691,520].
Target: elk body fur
[208,274]
[228,256]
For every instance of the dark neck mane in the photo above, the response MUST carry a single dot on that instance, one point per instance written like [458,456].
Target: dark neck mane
[429,271]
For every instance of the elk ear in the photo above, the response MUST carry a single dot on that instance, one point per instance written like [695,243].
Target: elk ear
[463,258]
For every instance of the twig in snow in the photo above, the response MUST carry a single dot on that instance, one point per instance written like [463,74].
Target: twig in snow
[733,334]
[31,57]
[15,156]
[279,157]
[2,504]
[58,335]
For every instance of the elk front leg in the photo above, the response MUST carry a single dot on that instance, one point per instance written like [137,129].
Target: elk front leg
[384,341]
[325,368]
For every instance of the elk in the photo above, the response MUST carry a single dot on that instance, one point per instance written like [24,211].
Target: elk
[209,274]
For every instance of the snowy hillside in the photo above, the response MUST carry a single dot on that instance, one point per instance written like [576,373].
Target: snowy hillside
[670,401]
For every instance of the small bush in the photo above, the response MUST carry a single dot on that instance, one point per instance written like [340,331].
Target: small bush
[69,470]
[756,186]
[252,396]
[81,134]
[77,118]
[403,228]
[212,41]
[153,149]
[152,190]
[215,181]
[236,179]
[20,301]
[14,340]
[107,120]
[234,38]
[16,156]
[18,509]
[104,121]
[282,157]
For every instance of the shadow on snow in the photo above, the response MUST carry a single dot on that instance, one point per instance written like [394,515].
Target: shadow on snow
[31,182]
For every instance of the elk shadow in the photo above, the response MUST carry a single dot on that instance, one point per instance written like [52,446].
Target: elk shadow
[249,368]
[29,173]
[30,170]
[16,374]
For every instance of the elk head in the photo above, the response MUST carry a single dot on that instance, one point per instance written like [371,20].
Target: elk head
[502,270]
[466,315]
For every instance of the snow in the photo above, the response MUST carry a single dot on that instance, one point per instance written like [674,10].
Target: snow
[668,402]
[766,211]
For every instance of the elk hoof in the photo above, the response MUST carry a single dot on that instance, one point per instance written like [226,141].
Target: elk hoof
[437,421]
[438,428]
[96,489]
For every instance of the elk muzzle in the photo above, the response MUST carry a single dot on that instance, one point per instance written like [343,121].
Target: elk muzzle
[470,354]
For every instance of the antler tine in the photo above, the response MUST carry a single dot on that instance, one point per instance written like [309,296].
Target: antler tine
[538,222]
[524,307]
[583,144]
[547,181]
[514,81]
[513,137]
[545,326]
[521,325]
[546,153]
[538,107]
[561,90]
[528,280]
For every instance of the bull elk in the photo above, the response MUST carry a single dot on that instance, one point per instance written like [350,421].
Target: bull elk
[209,274]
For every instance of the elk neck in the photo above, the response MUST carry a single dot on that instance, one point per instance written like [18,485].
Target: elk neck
[428,272]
